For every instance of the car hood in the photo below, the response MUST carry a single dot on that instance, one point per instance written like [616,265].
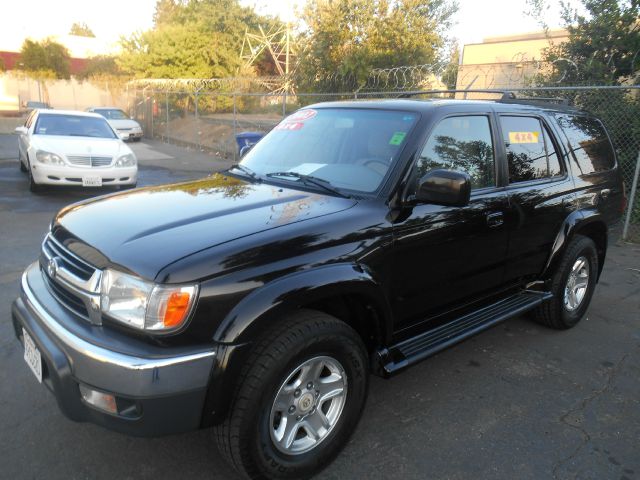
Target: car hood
[63,145]
[147,229]
[124,123]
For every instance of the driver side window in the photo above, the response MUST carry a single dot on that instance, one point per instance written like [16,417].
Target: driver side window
[463,144]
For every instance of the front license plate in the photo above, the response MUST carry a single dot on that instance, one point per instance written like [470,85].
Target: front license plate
[92,181]
[32,355]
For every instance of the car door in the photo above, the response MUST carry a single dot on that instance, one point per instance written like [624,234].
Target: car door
[540,193]
[446,257]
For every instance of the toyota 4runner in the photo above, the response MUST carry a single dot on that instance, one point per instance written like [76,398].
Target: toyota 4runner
[355,238]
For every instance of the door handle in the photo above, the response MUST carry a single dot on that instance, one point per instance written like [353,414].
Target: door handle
[495,219]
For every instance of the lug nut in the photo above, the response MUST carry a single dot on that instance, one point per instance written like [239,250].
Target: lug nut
[297,393]
[309,385]
[292,409]
[317,393]
[299,417]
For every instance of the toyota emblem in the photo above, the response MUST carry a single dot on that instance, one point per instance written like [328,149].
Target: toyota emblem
[52,267]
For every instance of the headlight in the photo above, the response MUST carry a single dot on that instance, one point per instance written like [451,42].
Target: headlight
[145,305]
[128,160]
[48,158]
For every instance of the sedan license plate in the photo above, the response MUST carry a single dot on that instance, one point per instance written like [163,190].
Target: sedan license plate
[32,355]
[91,181]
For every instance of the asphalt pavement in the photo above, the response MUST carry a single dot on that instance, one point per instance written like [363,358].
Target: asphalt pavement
[519,401]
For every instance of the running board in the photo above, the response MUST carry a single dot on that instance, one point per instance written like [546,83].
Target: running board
[413,350]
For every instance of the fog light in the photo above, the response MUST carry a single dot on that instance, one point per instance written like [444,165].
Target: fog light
[102,401]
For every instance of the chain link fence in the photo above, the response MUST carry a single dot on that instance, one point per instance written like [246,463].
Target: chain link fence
[211,120]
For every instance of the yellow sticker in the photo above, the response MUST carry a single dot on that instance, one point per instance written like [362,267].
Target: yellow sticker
[523,137]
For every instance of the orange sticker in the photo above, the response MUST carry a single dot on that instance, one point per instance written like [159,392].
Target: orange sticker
[524,137]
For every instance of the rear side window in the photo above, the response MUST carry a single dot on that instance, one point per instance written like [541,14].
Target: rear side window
[590,147]
[531,154]
[463,144]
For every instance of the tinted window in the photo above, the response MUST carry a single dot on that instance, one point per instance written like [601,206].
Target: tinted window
[588,141]
[463,144]
[73,125]
[112,113]
[530,151]
[351,148]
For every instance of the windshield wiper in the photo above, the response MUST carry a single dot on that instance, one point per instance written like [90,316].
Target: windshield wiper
[246,170]
[310,179]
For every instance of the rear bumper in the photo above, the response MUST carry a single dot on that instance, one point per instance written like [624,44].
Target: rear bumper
[159,394]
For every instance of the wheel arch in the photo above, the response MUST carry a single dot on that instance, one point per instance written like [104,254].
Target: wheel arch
[347,291]
[588,223]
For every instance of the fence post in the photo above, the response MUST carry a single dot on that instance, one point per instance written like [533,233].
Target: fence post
[196,118]
[166,107]
[284,103]
[235,126]
[632,198]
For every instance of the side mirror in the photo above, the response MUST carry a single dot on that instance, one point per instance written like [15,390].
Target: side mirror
[244,150]
[444,187]
[21,130]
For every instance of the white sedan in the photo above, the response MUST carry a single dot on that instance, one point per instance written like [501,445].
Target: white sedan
[127,128]
[58,147]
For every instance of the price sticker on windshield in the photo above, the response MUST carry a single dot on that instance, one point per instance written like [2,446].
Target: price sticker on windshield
[524,137]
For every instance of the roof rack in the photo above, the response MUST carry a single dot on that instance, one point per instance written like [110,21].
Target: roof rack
[507,96]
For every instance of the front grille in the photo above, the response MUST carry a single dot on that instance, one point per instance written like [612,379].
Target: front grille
[73,264]
[89,161]
[66,298]
[68,260]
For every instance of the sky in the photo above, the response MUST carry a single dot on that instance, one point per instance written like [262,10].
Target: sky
[476,19]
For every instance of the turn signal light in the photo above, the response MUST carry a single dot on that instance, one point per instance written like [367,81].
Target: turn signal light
[178,305]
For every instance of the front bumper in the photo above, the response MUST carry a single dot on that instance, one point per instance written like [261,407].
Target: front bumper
[129,134]
[163,389]
[71,175]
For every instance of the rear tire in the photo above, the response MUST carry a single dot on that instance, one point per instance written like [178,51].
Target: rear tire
[578,268]
[286,391]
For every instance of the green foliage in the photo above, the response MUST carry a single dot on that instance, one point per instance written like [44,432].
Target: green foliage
[45,59]
[349,38]
[450,73]
[191,38]
[100,66]
[603,46]
[81,29]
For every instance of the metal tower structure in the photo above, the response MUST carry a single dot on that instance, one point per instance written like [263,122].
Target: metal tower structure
[279,44]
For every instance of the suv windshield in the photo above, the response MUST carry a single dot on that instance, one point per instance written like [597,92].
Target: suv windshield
[349,148]
[112,113]
[73,126]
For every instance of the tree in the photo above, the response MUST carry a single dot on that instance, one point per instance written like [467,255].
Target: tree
[603,46]
[46,58]
[81,30]
[191,38]
[349,38]
[100,66]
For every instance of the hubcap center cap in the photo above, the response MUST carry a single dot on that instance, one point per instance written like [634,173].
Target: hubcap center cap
[305,403]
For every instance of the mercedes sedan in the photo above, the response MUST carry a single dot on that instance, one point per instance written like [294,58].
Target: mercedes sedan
[58,147]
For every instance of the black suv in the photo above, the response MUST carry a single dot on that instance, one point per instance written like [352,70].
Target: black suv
[356,237]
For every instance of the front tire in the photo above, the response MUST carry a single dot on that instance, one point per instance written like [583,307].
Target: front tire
[23,169]
[572,285]
[299,398]
[33,186]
